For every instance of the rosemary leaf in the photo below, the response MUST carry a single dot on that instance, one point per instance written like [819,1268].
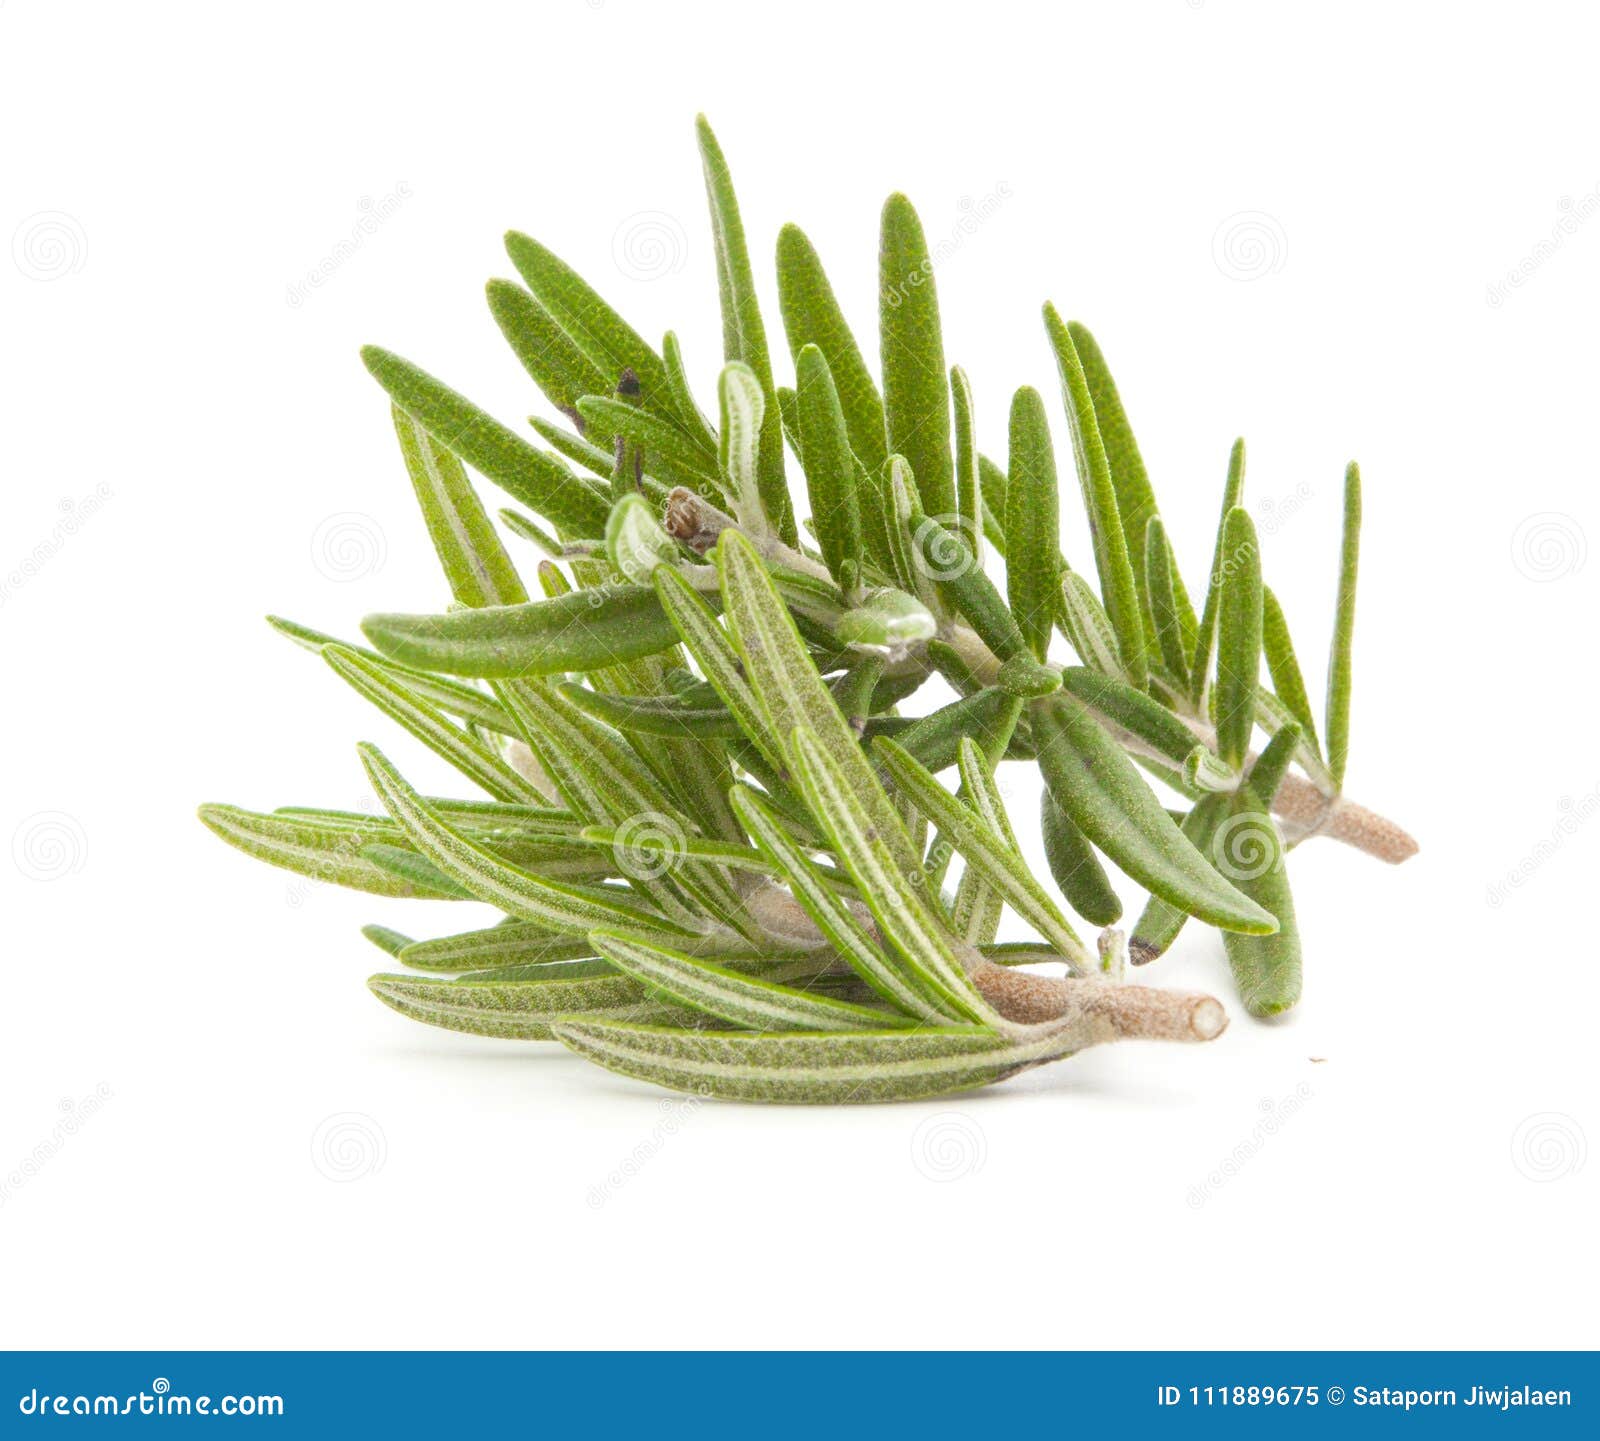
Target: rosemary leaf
[980,832]
[610,343]
[833,480]
[1033,555]
[1338,715]
[1111,556]
[744,335]
[1284,668]
[1247,847]
[582,630]
[557,364]
[657,715]
[916,403]
[538,480]
[475,562]
[744,1001]
[897,895]
[1098,787]
[1206,635]
[396,700]
[1238,637]
[905,984]
[799,1067]
[1087,628]
[320,852]
[390,942]
[790,692]
[1170,615]
[561,907]
[1075,866]
[1132,710]
[811,316]
[1136,501]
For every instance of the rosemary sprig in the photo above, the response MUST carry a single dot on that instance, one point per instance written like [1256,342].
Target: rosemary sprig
[704,816]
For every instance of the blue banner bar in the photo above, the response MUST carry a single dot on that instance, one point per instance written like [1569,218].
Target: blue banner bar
[779,1395]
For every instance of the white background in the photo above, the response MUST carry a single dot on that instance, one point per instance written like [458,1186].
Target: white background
[183,446]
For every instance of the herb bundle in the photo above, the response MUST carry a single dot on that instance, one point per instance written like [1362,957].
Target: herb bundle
[720,847]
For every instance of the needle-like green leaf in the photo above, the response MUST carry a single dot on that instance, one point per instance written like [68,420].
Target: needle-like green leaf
[1269,768]
[1075,867]
[833,480]
[744,1001]
[715,654]
[1274,715]
[1171,617]
[1087,628]
[1132,710]
[1238,637]
[511,943]
[897,894]
[657,715]
[561,907]
[1344,626]
[1284,668]
[557,363]
[1098,787]
[969,465]
[667,453]
[582,630]
[308,848]
[905,984]
[790,692]
[1206,636]
[800,1067]
[1033,553]
[1136,501]
[522,1010]
[1160,921]
[934,740]
[744,335]
[811,316]
[690,415]
[980,833]
[1111,556]
[610,343]
[916,403]
[390,942]
[538,480]
[474,760]
[1246,846]
[452,697]
[578,448]
[965,588]
[475,562]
